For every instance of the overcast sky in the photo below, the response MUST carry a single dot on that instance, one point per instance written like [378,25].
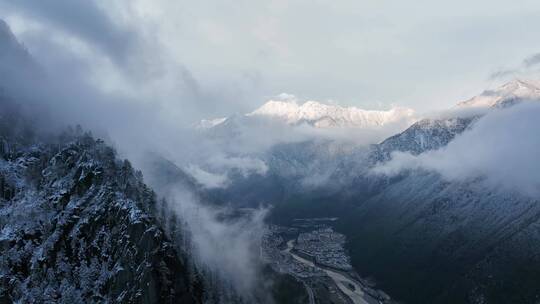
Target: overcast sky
[214,58]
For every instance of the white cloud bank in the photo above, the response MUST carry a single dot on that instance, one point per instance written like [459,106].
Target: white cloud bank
[219,166]
[246,165]
[502,148]
[207,179]
[228,249]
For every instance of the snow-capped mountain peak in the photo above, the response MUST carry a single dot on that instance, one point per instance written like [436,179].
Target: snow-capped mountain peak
[324,115]
[507,93]
[276,108]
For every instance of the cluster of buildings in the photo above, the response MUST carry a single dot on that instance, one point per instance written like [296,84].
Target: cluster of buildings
[281,248]
[281,261]
[325,247]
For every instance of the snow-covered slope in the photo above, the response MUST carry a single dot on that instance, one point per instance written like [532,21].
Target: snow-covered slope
[507,93]
[434,133]
[77,225]
[427,134]
[323,115]
[456,242]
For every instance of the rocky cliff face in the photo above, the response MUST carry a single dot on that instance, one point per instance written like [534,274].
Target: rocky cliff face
[77,226]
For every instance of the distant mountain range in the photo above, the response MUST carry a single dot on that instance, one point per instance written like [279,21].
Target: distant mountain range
[325,116]
[423,238]
[288,110]
[512,91]
[314,157]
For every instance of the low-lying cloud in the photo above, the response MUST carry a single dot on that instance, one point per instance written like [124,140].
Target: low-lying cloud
[217,168]
[528,65]
[501,149]
[207,179]
[226,249]
[135,124]
[245,165]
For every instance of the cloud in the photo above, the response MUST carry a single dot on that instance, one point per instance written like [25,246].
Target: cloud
[527,66]
[83,19]
[532,60]
[219,166]
[501,149]
[225,247]
[207,179]
[503,73]
[114,49]
[246,165]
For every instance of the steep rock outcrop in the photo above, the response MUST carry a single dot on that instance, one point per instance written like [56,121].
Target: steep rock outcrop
[77,225]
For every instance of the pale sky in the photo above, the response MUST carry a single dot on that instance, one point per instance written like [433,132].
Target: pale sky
[215,58]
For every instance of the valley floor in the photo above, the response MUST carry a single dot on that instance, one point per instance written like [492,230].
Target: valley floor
[350,287]
[320,264]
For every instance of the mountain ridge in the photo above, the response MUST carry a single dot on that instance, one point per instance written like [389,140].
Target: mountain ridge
[506,93]
[78,225]
[320,115]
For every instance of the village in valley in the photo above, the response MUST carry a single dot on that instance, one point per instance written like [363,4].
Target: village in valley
[314,254]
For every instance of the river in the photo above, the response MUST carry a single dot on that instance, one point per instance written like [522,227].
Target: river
[357,296]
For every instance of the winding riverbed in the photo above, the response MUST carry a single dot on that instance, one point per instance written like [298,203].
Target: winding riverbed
[357,296]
